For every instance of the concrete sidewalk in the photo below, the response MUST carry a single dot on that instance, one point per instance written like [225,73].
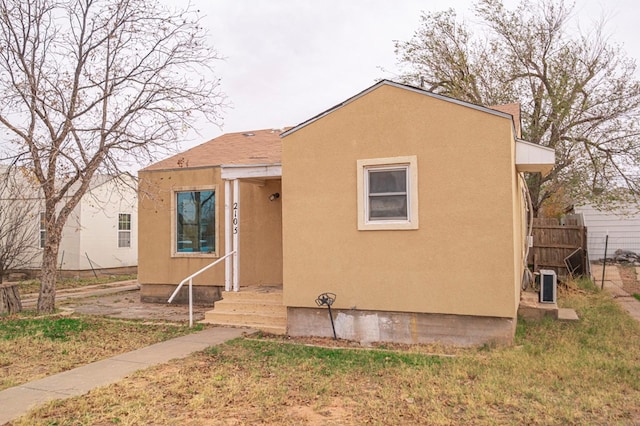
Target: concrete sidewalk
[16,401]
[613,285]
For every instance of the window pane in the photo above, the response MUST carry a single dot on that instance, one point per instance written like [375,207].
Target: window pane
[388,207]
[195,221]
[124,222]
[43,230]
[124,239]
[381,181]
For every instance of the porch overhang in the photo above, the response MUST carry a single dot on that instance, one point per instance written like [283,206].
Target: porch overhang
[531,157]
[250,171]
[232,174]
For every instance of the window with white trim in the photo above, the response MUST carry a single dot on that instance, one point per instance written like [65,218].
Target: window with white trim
[124,230]
[388,193]
[42,230]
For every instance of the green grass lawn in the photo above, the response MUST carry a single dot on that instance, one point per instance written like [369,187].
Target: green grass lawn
[584,372]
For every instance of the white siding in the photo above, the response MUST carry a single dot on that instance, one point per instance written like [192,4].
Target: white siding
[92,230]
[69,252]
[623,230]
[99,235]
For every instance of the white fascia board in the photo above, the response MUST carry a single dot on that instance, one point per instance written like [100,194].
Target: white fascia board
[250,171]
[531,157]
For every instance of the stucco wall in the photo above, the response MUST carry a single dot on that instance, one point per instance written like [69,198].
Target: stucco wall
[260,230]
[461,260]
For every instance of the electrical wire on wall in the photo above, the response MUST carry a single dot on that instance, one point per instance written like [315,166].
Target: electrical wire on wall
[527,275]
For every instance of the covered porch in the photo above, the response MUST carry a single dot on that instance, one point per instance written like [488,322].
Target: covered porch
[232,176]
[211,220]
[254,305]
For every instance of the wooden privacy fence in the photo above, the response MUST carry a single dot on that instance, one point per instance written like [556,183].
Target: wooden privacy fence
[553,242]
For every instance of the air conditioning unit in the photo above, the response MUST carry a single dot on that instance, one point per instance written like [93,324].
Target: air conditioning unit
[548,286]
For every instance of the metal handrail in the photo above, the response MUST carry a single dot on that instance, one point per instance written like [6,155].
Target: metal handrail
[190,279]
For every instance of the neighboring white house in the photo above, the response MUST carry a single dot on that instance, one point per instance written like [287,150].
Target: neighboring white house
[100,233]
[622,225]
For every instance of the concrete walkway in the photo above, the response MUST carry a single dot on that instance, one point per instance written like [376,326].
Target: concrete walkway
[613,284]
[16,401]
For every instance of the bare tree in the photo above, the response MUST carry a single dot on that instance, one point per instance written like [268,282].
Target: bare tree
[19,214]
[91,85]
[579,94]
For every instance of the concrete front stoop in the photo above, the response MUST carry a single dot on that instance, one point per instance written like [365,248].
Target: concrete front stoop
[258,307]
[531,308]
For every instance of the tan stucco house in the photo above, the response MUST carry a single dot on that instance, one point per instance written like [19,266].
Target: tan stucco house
[409,206]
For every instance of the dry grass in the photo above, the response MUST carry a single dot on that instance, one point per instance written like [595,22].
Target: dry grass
[33,347]
[33,286]
[585,372]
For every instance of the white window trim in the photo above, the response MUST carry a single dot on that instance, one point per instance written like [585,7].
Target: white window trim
[124,230]
[41,231]
[411,162]
[174,209]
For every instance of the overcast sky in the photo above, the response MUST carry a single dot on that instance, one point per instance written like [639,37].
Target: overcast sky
[288,60]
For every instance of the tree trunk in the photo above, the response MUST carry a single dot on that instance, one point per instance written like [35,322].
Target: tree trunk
[533,183]
[47,297]
[10,298]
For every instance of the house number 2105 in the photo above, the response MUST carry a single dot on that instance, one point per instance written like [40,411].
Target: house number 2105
[235,218]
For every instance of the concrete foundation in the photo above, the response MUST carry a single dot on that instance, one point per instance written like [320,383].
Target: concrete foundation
[401,327]
[160,293]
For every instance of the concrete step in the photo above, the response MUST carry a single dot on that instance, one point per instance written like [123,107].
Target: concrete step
[255,307]
[251,307]
[253,296]
[243,319]
[531,308]
[266,324]
[566,314]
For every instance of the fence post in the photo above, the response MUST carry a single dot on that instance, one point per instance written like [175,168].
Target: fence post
[604,263]
[91,264]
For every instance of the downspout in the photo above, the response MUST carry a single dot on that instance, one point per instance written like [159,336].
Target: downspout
[527,276]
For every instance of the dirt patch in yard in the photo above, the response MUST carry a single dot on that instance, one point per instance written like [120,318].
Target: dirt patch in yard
[336,412]
[127,305]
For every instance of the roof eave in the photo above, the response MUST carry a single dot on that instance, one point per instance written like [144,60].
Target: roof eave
[250,171]
[532,158]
